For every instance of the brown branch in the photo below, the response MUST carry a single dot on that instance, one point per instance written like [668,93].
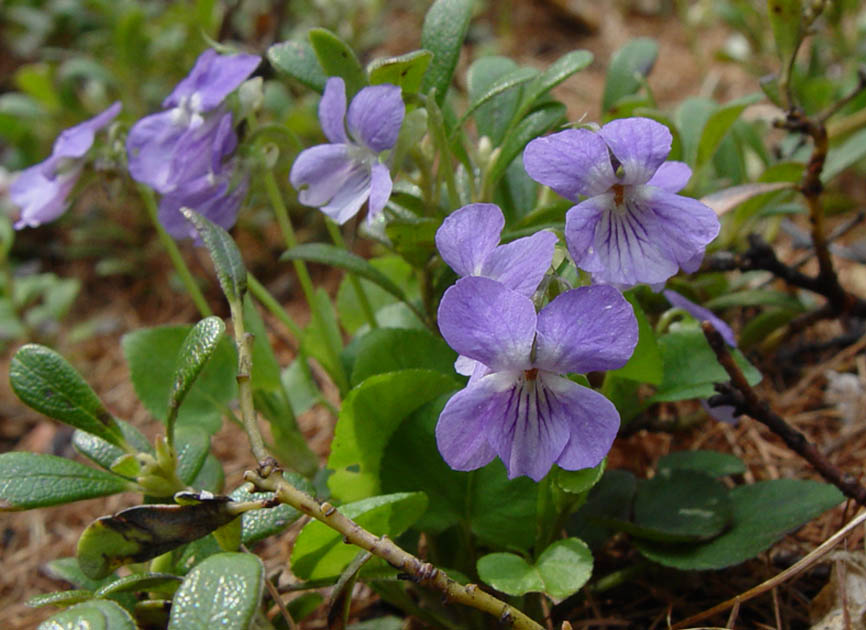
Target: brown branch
[745,401]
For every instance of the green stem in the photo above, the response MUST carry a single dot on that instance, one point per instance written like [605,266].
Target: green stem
[174,253]
[440,137]
[363,300]
[245,386]
[303,274]
[261,293]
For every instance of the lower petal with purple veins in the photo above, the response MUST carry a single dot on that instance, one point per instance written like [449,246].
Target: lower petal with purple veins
[380,190]
[320,172]
[351,196]
[580,227]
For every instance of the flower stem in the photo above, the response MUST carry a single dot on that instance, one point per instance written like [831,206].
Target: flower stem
[303,274]
[363,300]
[261,293]
[245,386]
[174,253]
[422,573]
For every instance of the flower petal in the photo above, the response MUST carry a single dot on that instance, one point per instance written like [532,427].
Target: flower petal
[211,197]
[332,111]
[351,195]
[584,330]
[521,264]
[483,320]
[702,315]
[580,227]
[469,417]
[531,435]
[211,79]
[380,190]
[40,198]
[75,141]
[592,420]
[467,237]
[150,148]
[375,116]
[320,171]
[671,176]
[684,226]
[573,162]
[640,145]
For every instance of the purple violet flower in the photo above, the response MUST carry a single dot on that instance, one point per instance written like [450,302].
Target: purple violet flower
[633,228]
[519,407]
[41,190]
[174,146]
[340,176]
[468,241]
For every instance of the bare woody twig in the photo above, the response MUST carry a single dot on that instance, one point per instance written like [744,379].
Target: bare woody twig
[745,401]
[267,478]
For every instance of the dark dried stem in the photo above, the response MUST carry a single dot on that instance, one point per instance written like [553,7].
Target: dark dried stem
[745,401]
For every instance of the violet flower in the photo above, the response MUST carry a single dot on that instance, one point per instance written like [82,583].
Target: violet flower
[340,176]
[174,146]
[520,407]
[633,228]
[468,241]
[41,190]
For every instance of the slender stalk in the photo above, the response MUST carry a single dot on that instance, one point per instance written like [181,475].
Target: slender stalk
[363,300]
[261,293]
[302,272]
[174,253]
[245,386]
[422,573]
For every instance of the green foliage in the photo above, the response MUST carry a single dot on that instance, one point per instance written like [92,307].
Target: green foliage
[151,355]
[259,524]
[298,60]
[226,586]
[406,71]
[712,463]
[627,71]
[226,256]
[197,349]
[393,349]
[95,614]
[30,480]
[319,551]
[444,29]
[338,59]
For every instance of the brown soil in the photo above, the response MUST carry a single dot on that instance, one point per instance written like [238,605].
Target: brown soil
[534,33]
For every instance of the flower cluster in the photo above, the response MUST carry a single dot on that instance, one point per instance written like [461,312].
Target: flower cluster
[632,228]
[184,152]
[41,191]
[340,176]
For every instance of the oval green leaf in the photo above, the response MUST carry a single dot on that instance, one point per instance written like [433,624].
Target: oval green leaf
[338,59]
[30,480]
[713,463]
[96,614]
[298,60]
[197,349]
[445,26]
[45,381]
[224,253]
[628,67]
[406,71]
[224,590]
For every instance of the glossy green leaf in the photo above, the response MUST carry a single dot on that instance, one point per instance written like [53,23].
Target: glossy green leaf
[143,532]
[536,123]
[397,270]
[104,453]
[691,366]
[225,589]
[210,476]
[557,72]
[96,614]
[494,117]
[45,381]
[319,551]
[196,350]
[760,327]
[370,414]
[30,480]
[259,524]
[681,505]
[59,598]
[718,124]
[224,253]
[140,582]
[298,60]
[762,513]
[394,349]
[560,571]
[406,71]
[579,481]
[713,463]
[342,259]
[338,59]
[150,354]
[786,19]
[266,368]
[846,154]
[628,67]
[444,29]
[413,238]
[192,445]
[503,83]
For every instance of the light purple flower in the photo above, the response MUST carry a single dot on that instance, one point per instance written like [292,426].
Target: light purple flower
[180,144]
[340,176]
[519,407]
[41,190]
[214,196]
[702,315]
[633,228]
[468,241]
